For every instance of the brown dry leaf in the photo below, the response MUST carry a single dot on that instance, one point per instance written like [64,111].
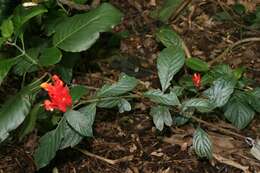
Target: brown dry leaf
[255,150]
[179,139]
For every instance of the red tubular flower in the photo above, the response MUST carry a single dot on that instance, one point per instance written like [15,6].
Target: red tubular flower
[196,78]
[59,95]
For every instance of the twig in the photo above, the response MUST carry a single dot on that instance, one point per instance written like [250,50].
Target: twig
[229,162]
[218,128]
[221,56]
[181,7]
[110,161]
[75,6]
[186,50]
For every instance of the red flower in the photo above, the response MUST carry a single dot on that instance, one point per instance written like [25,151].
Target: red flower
[59,95]
[196,78]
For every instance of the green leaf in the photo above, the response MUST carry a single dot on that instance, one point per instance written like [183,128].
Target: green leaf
[161,115]
[238,72]
[202,143]
[202,105]
[165,12]
[124,85]
[197,64]
[109,103]
[29,122]
[124,106]
[79,32]
[77,91]
[169,62]
[220,92]
[65,73]
[158,96]
[7,28]
[70,137]
[178,90]
[169,38]
[49,144]
[5,66]
[23,15]
[79,122]
[220,71]
[50,56]
[238,112]
[15,109]
[180,120]
[254,99]
[90,112]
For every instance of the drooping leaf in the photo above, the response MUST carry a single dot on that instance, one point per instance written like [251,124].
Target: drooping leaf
[169,38]
[22,14]
[7,28]
[124,106]
[161,115]
[220,92]
[202,143]
[109,103]
[238,112]
[29,122]
[5,66]
[197,64]
[79,122]
[77,91]
[15,109]
[50,56]
[165,12]
[202,105]
[169,62]
[158,96]
[124,85]
[79,32]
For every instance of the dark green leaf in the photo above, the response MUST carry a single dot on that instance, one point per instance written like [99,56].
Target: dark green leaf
[79,32]
[220,92]
[5,66]
[109,103]
[15,109]
[180,120]
[79,122]
[202,143]
[202,105]
[238,112]
[124,85]
[169,38]
[77,91]
[90,112]
[169,62]
[50,56]
[158,96]
[197,64]
[161,115]
[254,99]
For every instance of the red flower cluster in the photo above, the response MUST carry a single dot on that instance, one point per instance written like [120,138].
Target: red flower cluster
[196,78]
[59,95]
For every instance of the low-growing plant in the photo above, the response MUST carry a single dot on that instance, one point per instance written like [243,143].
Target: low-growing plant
[39,38]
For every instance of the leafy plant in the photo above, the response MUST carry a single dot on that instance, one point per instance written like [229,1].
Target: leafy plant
[58,38]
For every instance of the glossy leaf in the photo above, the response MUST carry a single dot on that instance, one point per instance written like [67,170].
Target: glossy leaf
[79,122]
[169,62]
[238,112]
[202,105]
[220,92]
[197,64]
[79,32]
[161,115]
[158,96]
[124,85]
[50,56]
[169,38]
[5,66]
[77,91]
[202,144]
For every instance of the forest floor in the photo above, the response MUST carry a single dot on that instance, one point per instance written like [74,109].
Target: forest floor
[129,142]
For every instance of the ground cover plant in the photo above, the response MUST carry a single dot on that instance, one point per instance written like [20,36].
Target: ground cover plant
[48,46]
